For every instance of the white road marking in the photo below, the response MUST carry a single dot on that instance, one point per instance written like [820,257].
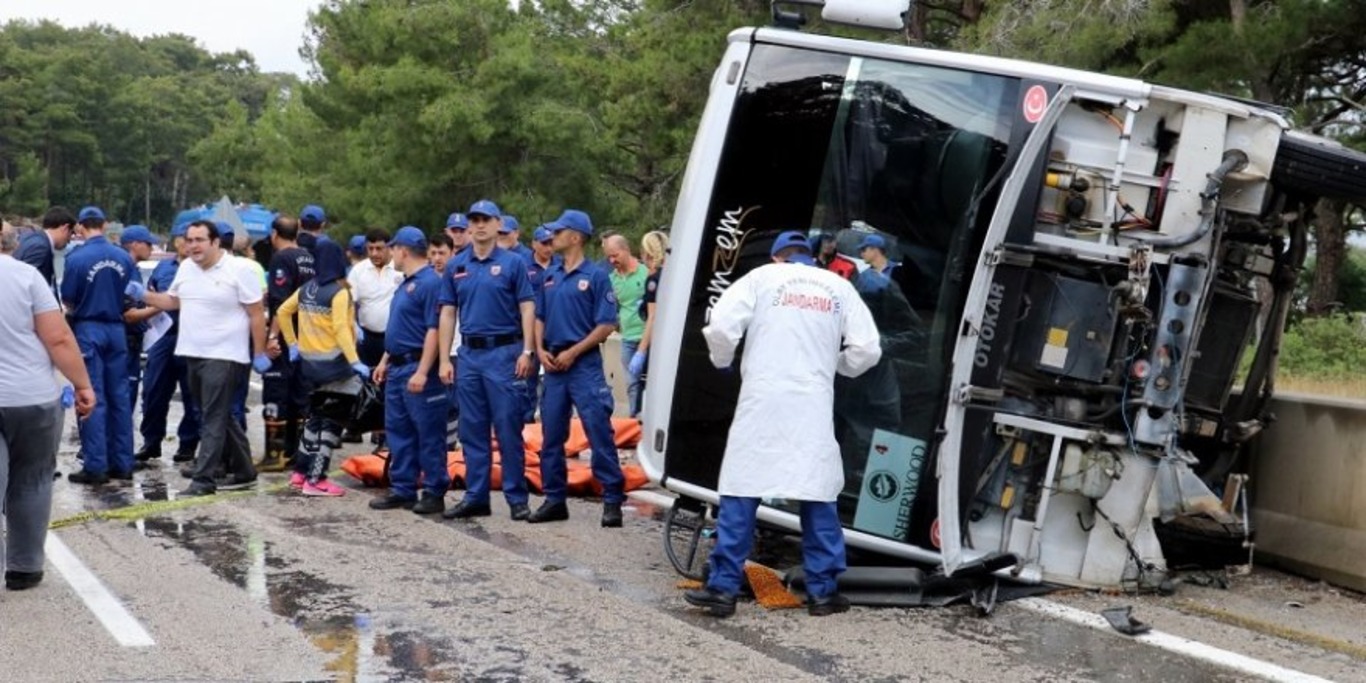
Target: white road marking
[107,608]
[1173,643]
[1165,641]
[255,385]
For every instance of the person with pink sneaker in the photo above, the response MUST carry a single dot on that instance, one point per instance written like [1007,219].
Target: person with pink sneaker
[325,343]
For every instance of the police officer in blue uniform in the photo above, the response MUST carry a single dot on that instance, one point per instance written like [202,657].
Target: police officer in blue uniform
[93,285]
[509,237]
[542,257]
[414,397]
[575,312]
[165,371]
[488,288]
[137,240]
[457,228]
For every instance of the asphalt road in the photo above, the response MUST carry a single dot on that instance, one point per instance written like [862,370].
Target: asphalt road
[271,586]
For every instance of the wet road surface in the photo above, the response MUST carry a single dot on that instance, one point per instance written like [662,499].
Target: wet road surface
[273,586]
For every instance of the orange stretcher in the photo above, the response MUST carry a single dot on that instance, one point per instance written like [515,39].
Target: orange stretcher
[371,470]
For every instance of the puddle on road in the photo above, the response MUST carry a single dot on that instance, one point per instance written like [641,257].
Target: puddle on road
[323,611]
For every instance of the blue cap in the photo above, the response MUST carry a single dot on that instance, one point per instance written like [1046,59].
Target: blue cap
[573,219]
[457,221]
[873,241]
[90,213]
[484,207]
[408,236]
[543,234]
[791,238]
[180,230]
[314,212]
[136,233]
[357,244]
[225,228]
[510,224]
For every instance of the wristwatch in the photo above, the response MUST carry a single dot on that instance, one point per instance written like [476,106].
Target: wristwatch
[528,353]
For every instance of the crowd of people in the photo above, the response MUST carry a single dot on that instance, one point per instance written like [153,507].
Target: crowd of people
[458,327]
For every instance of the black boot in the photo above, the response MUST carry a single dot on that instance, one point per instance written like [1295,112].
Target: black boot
[718,604]
[611,515]
[18,581]
[549,512]
[149,451]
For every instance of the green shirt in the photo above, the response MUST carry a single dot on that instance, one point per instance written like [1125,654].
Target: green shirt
[629,289]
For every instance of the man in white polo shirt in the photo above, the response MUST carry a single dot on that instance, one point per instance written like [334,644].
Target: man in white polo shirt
[220,302]
[373,282]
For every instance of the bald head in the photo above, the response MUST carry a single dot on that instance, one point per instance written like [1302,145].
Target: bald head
[618,252]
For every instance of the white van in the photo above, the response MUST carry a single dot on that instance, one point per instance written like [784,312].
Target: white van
[1084,260]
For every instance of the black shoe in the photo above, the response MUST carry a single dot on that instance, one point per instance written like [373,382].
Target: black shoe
[520,512]
[187,472]
[196,491]
[232,483]
[87,477]
[429,505]
[549,512]
[148,452]
[351,437]
[718,604]
[466,509]
[19,581]
[611,515]
[392,502]
[121,476]
[825,606]
[184,455]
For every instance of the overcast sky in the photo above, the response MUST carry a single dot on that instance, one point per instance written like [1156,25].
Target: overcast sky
[271,30]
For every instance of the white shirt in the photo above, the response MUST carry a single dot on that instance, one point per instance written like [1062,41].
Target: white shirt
[213,317]
[373,288]
[25,367]
[794,319]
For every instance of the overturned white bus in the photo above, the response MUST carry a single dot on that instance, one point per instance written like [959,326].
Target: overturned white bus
[1084,259]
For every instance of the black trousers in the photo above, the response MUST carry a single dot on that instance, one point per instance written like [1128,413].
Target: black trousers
[222,442]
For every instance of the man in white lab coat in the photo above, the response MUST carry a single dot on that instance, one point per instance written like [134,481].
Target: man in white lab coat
[803,324]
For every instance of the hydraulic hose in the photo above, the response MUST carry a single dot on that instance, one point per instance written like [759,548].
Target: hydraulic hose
[1234,160]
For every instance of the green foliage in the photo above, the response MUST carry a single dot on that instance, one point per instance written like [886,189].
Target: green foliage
[94,115]
[1097,35]
[1351,282]
[24,194]
[1326,348]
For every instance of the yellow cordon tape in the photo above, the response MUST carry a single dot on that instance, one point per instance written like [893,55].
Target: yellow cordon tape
[156,507]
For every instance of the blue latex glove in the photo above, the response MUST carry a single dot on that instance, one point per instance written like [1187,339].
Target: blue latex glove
[135,291]
[637,364]
[293,353]
[361,369]
[68,396]
[261,363]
